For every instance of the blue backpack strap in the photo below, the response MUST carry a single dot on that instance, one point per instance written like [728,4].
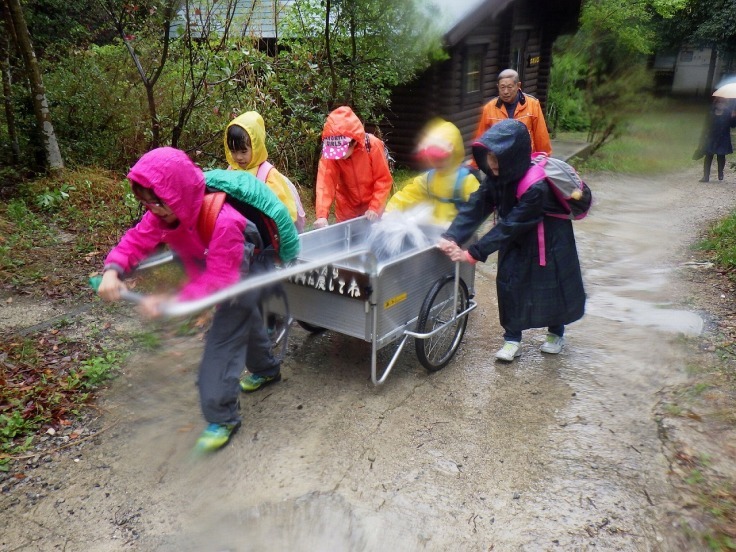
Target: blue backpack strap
[457,195]
[430,176]
[462,173]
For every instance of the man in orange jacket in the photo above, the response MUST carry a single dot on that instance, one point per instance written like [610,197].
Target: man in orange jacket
[353,171]
[512,103]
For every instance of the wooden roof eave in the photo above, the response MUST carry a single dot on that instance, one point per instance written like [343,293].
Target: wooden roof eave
[489,8]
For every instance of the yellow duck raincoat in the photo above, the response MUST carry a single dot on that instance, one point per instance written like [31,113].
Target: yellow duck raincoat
[438,187]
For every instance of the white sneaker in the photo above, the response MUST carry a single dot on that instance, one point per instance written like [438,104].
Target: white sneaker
[553,344]
[509,351]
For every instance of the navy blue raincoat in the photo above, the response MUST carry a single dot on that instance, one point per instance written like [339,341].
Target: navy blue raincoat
[716,139]
[529,295]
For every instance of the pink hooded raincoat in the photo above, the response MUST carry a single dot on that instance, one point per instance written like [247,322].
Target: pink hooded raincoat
[180,184]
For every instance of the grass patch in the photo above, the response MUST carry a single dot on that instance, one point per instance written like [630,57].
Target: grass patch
[148,341]
[719,503]
[721,242]
[54,229]
[662,140]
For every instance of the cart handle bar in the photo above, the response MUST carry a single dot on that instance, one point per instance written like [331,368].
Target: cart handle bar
[185,308]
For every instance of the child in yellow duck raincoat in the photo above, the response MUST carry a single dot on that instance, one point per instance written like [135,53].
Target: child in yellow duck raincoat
[447,183]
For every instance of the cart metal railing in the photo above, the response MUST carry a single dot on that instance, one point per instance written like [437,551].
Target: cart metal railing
[338,284]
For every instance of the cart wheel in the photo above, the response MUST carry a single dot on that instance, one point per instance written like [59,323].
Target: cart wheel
[435,352]
[273,305]
[309,327]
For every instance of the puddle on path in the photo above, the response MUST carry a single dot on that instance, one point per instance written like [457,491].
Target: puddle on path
[316,521]
[642,313]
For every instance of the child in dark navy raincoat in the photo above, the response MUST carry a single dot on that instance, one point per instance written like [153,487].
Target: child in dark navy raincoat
[529,295]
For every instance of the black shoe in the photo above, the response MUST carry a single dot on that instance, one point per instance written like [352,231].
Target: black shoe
[704,179]
[720,176]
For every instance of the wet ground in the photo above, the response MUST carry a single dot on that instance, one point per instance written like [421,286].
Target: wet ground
[546,453]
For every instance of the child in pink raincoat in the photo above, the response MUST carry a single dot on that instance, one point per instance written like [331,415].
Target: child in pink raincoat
[172,189]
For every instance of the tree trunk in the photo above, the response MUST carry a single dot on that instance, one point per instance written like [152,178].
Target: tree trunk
[711,70]
[328,51]
[8,99]
[353,54]
[155,122]
[40,103]
[149,83]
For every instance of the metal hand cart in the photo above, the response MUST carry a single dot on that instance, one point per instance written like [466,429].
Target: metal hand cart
[418,293]
[338,284]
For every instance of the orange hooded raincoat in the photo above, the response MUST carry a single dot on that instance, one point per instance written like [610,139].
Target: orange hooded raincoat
[359,183]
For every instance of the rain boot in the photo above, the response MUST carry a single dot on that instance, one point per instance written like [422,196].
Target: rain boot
[707,161]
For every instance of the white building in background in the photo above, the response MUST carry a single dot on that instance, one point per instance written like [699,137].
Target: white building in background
[686,72]
[255,18]
[691,72]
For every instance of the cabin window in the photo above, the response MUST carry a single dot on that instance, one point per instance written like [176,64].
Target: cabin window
[473,64]
[519,42]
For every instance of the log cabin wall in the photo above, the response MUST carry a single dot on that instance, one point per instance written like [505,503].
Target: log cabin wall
[520,36]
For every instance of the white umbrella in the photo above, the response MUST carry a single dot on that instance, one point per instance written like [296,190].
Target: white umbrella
[726,91]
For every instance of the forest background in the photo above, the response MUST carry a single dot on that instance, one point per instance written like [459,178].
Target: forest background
[96,83]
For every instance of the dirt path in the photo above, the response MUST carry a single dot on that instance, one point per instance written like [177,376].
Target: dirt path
[547,453]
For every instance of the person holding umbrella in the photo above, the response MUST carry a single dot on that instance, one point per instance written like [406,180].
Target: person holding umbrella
[716,137]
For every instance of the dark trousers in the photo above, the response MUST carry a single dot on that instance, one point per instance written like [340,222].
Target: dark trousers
[515,335]
[708,161]
[237,338]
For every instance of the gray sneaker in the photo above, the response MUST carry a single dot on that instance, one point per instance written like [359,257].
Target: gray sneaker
[553,344]
[509,351]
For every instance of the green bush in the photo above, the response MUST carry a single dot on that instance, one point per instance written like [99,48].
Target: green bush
[95,371]
[98,107]
[566,107]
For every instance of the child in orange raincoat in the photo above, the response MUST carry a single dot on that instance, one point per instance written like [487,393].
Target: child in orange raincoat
[353,171]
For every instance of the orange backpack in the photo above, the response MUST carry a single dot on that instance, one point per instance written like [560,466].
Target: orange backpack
[211,207]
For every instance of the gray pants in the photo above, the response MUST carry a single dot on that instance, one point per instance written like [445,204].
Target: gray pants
[237,338]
